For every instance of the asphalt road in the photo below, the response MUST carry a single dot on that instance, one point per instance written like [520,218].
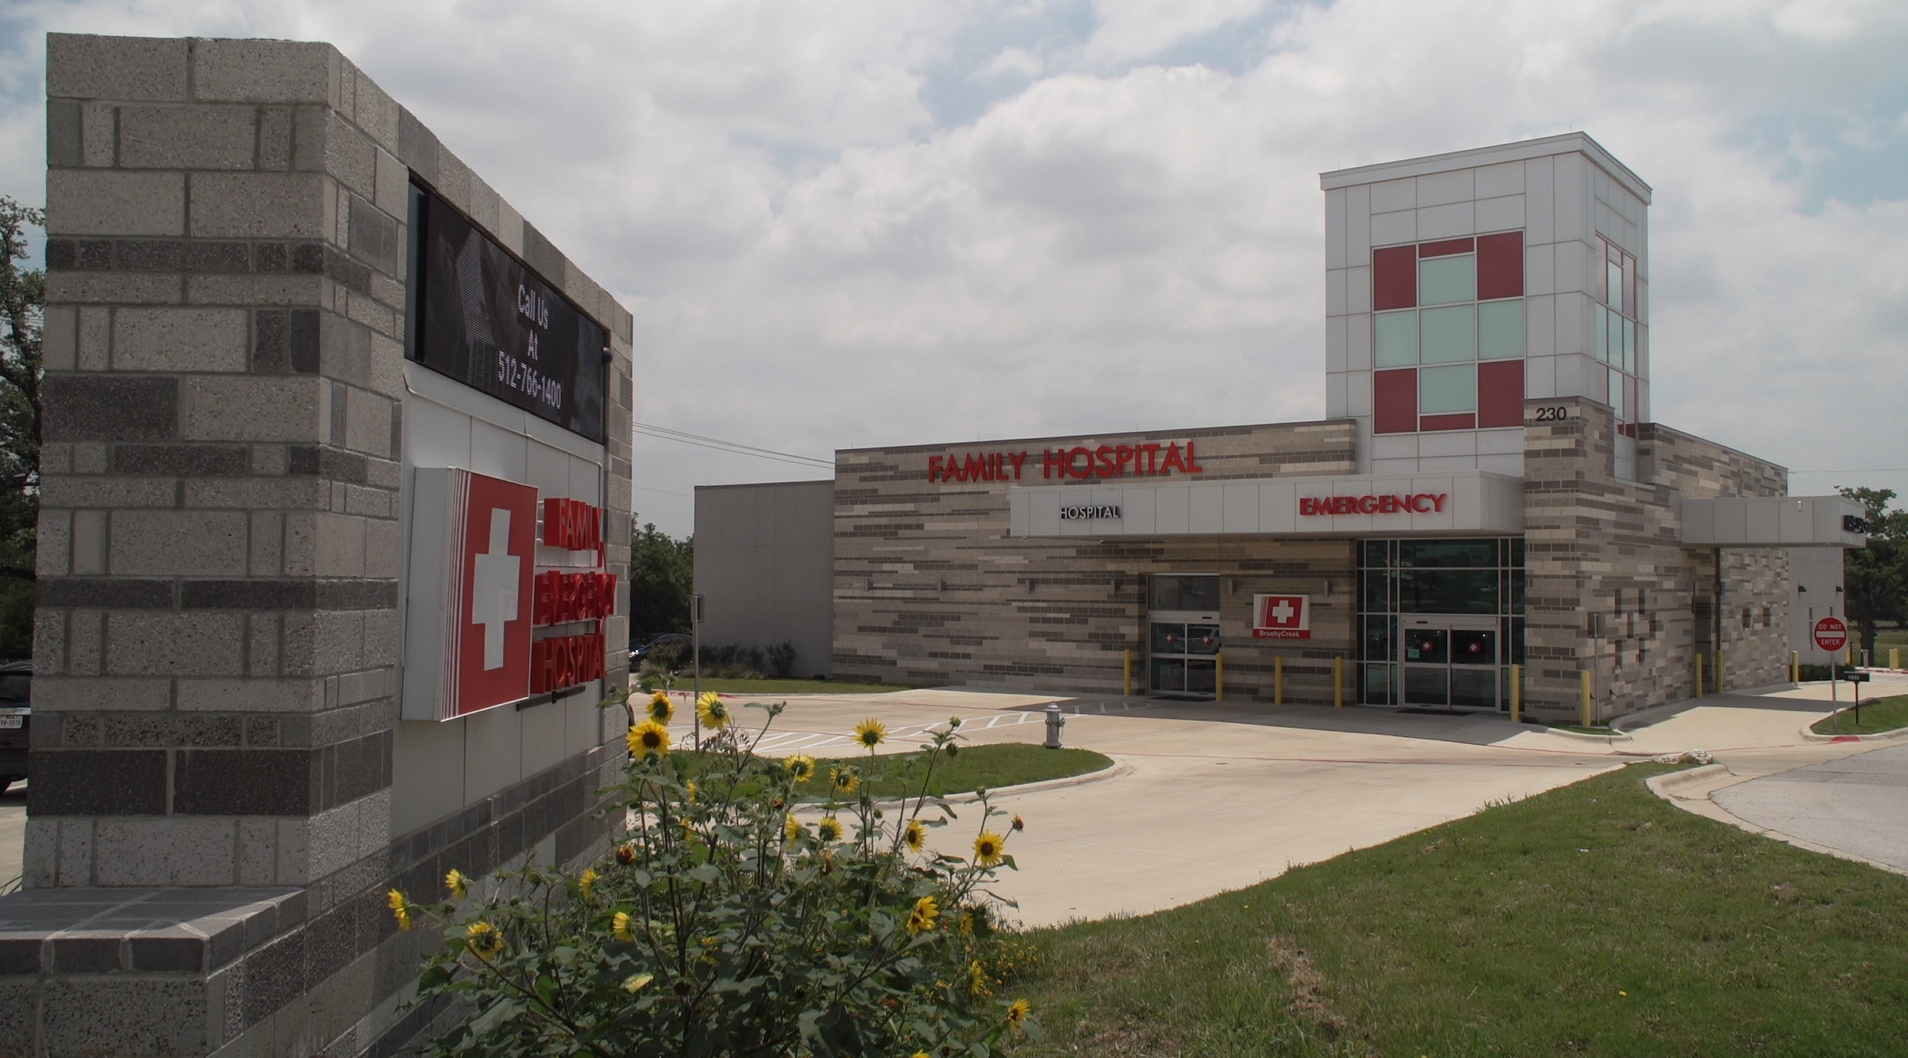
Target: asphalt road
[1858,804]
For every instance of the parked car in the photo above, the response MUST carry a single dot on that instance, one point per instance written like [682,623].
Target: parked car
[650,643]
[16,720]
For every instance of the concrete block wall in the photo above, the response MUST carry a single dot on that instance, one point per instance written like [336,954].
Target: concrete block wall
[1611,588]
[766,568]
[219,579]
[1056,614]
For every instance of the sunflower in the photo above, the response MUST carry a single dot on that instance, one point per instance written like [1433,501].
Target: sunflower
[977,979]
[635,983]
[1018,1010]
[619,927]
[486,941]
[587,880]
[713,711]
[647,738]
[692,791]
[626,854]
[988,848]
[843,779]
[871,733]
[1019,823]
[660,708]
[458,883]
[400,910]
[914,835]
[923,916]
[792,829]
[801,766]
[828,830]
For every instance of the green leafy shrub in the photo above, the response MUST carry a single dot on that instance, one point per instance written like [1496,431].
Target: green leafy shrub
[724,924]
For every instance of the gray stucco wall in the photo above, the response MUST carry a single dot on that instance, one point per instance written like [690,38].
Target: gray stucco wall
[765,561]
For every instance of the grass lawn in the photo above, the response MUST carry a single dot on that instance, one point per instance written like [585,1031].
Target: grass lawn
[991,766]
[1882,714]
[1595,919]
[772,688]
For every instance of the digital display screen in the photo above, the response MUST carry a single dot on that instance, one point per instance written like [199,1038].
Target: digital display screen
[487,321]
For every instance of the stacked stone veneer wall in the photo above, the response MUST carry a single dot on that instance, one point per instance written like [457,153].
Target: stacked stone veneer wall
[930,588]
[1612,590]
[217,632]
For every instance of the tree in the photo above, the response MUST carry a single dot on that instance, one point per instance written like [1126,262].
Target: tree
[22,306]
[661,579]
[1875,578]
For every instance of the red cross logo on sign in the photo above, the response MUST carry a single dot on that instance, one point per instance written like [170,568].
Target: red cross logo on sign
[1281,617]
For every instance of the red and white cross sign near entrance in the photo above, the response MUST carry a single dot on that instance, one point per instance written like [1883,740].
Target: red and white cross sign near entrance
[1281,617]
[1831,634]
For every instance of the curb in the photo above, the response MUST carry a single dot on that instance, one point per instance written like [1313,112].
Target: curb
[1580,736]
[1665,786]
[1879,736]
[1120,769]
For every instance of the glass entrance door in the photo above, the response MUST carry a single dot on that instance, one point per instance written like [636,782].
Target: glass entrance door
[1450,662]
[1180,653]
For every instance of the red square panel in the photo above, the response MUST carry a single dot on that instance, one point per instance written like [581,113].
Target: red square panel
[1500,393]
[1500,266]
[1395,400]
[1463,420]
[1444,248]
[1394,278]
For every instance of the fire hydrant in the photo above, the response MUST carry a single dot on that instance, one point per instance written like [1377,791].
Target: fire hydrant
[1054,723]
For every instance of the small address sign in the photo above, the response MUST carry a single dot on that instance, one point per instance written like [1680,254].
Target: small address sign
[1552,413]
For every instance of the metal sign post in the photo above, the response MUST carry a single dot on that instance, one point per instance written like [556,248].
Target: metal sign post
[1832,635]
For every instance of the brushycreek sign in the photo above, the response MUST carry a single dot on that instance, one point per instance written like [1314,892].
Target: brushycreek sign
[1104,461]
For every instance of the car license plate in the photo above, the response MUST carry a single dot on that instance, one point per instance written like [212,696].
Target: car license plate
[12,721]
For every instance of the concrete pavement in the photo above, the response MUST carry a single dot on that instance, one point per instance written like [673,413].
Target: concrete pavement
[1214,796]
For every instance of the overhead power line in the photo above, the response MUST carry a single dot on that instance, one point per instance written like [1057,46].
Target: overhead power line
[736,447]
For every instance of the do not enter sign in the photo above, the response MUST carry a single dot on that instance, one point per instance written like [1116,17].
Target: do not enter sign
[1831,634]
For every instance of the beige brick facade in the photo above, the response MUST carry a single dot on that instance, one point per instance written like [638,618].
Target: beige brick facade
[930,586]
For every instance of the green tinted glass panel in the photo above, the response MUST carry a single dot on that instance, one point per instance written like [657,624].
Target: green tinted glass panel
[1375,553]
[1184,593]
[1447,389]
[1446,280]
[1377,643]
[1616,395]
[1614,273]
[1447,554]
[1395,343]
[1447,590]
[1500,330]
[1629,345]
[1378,682]
[1377,591]
[1448,335]
[1600,346]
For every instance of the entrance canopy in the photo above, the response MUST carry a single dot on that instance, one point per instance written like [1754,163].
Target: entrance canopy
[1462,502]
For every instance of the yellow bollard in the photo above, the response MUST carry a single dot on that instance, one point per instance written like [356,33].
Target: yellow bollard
[1795,666]
[1517,694]
[1588,720]
[1126,673]
[1894,657]
[1851,653]
[1699,674]
[1278,681]
[1338,683]
[1219,678]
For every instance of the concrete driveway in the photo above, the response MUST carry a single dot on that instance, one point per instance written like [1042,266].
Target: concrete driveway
[1208,797]
[1857,804]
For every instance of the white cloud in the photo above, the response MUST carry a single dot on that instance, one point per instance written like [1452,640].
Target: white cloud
[815,262]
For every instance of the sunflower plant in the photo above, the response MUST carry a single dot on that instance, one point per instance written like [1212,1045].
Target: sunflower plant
[722,923]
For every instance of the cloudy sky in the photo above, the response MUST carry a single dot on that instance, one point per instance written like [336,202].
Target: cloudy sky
[857,222]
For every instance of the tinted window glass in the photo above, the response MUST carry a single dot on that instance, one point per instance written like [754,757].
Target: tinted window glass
[15,687]
[1447,591]
[1448,554]
[1184,593]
